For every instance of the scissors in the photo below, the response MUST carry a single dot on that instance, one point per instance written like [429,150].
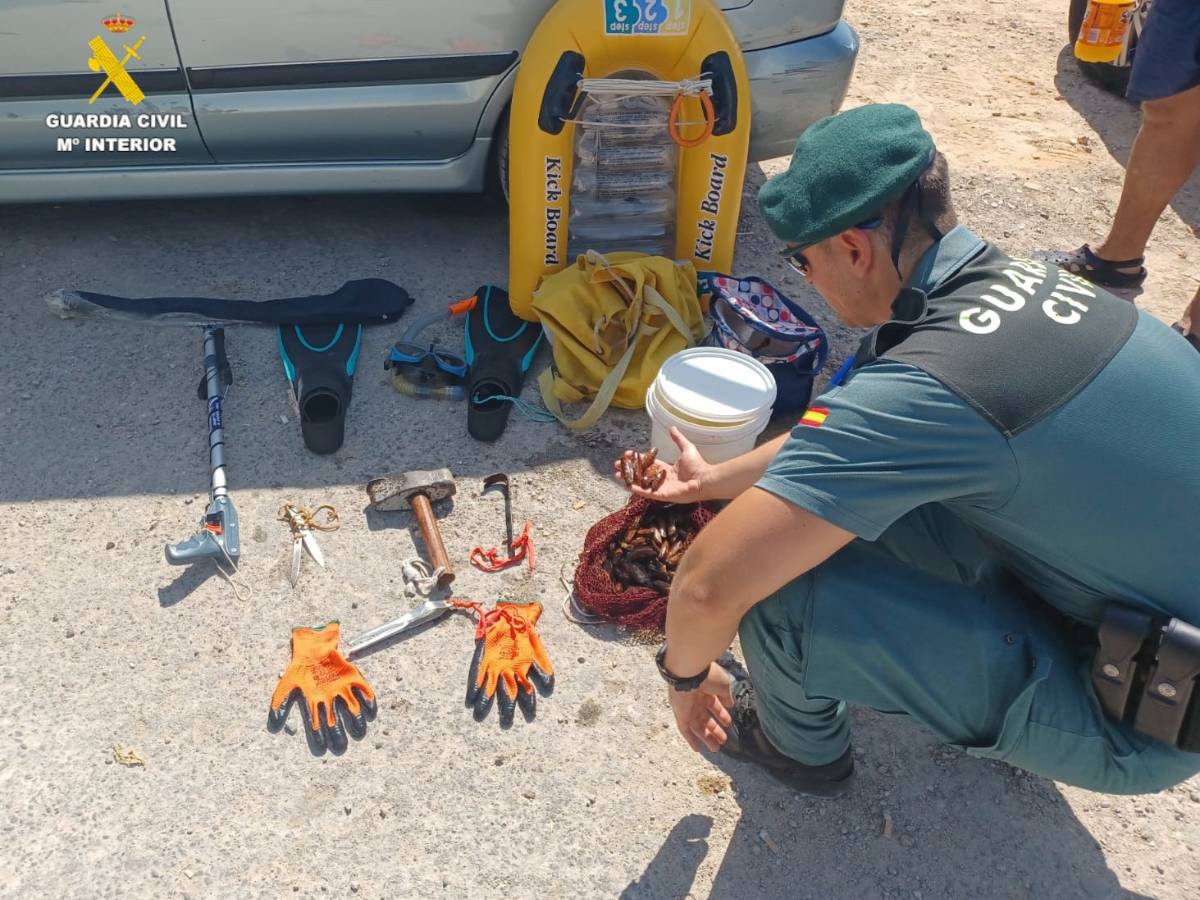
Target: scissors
[303,522]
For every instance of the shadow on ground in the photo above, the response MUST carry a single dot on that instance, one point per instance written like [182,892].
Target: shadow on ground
[107,408]
[1115,121]
[673,869]
[922,820]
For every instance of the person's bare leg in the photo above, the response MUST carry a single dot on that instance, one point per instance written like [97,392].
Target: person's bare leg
[1164,155]
[1189,322]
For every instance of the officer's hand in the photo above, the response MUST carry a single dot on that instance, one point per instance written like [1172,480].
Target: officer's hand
[699,714]
[685,479]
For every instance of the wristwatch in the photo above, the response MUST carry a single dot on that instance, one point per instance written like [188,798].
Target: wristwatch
[680,684]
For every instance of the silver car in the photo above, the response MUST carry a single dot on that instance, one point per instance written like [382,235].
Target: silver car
[303,96]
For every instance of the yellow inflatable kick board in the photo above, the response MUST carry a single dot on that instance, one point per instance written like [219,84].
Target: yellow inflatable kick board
[670,40]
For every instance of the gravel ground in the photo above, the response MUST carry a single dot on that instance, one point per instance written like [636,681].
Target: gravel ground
[105,646]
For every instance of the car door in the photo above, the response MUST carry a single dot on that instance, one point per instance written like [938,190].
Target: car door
[54,59]
[314,80]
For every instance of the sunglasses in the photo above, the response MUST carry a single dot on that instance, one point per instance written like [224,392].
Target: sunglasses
[798,261]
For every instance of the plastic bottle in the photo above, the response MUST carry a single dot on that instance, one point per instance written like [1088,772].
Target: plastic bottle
[1102,34]
[623,189]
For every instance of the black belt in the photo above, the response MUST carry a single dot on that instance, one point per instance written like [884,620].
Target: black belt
[1145,672]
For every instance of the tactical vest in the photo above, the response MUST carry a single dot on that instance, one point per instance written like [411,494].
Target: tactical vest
[1014,338]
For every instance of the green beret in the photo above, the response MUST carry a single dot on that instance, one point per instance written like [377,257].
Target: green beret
[844,170]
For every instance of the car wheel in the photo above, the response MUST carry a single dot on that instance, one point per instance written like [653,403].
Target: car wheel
[1113,78]
[499,175]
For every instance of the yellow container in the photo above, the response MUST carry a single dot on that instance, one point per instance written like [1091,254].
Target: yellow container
[1102,34]
[590,38]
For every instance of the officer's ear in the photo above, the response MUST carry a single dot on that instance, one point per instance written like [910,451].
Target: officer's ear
[856,250]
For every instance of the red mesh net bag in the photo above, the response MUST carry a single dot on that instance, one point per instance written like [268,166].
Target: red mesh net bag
[595,590]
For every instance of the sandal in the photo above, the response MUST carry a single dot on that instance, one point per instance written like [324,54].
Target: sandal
[1107,272]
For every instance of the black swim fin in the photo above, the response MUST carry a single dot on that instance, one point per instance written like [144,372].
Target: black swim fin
[500,348]
[319,362]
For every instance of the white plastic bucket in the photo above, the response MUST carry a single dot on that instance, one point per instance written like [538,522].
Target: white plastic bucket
[720,399]
[715,385]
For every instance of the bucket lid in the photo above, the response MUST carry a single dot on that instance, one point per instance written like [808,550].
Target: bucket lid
[716,385]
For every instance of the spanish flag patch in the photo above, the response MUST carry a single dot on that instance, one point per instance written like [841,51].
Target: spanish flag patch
[815,416]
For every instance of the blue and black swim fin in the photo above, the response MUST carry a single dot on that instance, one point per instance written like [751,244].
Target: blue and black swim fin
[500,348]
[319,362]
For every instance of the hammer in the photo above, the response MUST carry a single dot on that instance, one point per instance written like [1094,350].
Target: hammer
[418,490]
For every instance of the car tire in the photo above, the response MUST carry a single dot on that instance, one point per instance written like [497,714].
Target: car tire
[497,188]
[1114,79]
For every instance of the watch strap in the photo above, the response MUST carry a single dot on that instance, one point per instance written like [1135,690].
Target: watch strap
[689,683]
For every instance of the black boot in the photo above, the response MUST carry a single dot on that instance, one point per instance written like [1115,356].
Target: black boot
[748,742]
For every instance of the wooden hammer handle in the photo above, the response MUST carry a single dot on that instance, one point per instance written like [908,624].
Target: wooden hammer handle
[432,535]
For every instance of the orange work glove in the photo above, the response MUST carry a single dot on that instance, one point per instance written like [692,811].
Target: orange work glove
[331,688]
[508,651]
